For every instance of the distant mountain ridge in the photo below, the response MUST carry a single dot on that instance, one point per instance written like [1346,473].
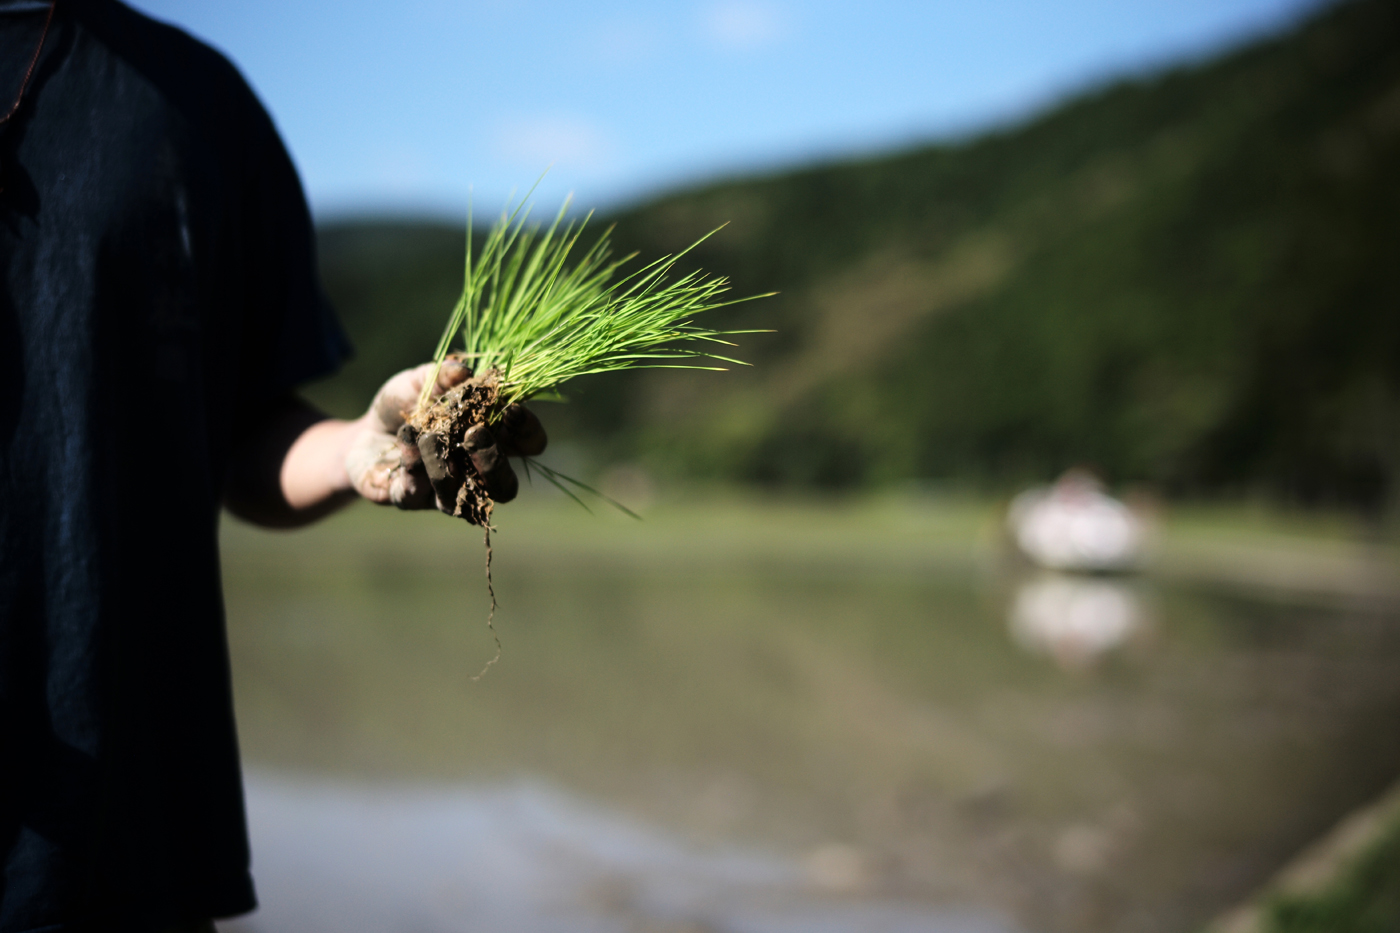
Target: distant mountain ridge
[1189,280]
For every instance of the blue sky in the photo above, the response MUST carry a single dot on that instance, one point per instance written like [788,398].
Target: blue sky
[415,105]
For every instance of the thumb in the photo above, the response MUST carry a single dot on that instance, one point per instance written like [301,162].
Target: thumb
[398,396]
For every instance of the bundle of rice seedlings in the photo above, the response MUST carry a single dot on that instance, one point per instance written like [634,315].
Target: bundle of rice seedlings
[536,311]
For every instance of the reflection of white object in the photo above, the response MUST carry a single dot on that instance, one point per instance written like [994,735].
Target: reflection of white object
[1075,525]
[1072,619]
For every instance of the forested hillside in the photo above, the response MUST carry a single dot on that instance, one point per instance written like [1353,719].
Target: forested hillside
[1191,280]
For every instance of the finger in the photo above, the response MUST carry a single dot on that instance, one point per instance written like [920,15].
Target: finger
[520,433]
[399,396]
[409,455]
[370,464]
[409,488]
[490,463]
[452,372]
[437,467]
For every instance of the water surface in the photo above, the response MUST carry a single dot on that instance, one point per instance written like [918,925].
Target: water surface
[741,717]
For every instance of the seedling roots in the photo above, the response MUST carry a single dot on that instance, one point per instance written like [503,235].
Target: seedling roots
[466,465]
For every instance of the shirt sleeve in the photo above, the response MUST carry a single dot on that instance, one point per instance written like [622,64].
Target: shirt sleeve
[291,334]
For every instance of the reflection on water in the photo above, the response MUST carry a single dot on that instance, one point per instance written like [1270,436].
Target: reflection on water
[833,689]
[337,857]
[1075,620]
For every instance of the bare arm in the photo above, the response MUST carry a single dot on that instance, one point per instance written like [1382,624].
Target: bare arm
[290,470]
[297,466]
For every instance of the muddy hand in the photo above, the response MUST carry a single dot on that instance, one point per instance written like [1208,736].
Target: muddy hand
[382,468]
[519,433]
[490,463]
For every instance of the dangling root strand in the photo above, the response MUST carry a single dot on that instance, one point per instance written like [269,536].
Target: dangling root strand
[491,589]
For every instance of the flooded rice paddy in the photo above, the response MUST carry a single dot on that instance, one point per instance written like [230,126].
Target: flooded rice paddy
[739,716]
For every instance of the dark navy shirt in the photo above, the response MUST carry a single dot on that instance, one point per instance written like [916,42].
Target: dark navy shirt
[157,292]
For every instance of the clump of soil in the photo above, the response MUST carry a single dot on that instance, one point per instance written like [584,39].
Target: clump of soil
[464,463]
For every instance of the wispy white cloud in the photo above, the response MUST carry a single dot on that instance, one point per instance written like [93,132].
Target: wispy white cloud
[564,139]
[744,24]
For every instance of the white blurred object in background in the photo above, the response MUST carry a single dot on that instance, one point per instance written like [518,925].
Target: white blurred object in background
[1075,525]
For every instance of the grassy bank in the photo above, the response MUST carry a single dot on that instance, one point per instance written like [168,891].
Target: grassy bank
[1347,882]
